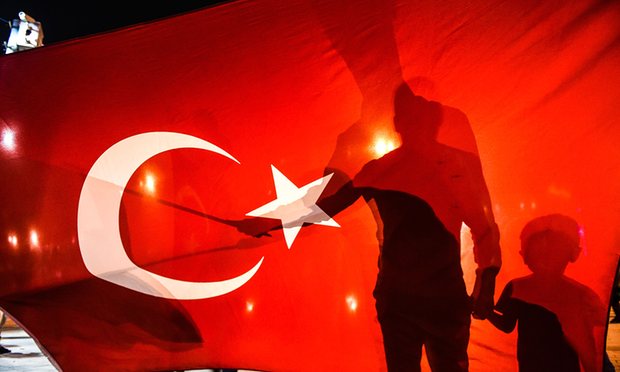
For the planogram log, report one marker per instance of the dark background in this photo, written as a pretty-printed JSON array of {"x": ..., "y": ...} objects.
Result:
[{"x": 63, "y": 20}]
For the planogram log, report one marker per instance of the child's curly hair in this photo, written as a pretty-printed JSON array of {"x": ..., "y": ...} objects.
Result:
[{"x": 553, "y": 224}]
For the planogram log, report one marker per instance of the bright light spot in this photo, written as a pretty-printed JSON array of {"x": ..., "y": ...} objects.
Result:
[
  {"x": 533, "y": 205},
  {"x": 582, "y": 238},
  {"x": 149, "y": 183},
  {"x": 249, "y": 306},
  {"x": 34, "y": 238},
  {"x": 13, "y": 240},
  {"x": 352, "y": 303},
  {"x": 522, "y": 205},
  {"x": 8, "y": 140},
  {"x": 383, "y": 145}
]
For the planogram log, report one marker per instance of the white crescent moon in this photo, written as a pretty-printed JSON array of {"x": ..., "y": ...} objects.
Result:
[{"x": 98, "y": 225}]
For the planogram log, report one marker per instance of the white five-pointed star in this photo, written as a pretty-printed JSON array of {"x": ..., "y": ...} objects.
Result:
[{"x": 295, "y": 206}]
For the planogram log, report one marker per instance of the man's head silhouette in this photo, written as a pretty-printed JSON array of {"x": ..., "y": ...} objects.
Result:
[{"x": 415, "y": 118}]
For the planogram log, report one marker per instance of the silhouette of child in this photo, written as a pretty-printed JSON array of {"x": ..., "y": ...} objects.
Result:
[{"x": 556, "y": 315}]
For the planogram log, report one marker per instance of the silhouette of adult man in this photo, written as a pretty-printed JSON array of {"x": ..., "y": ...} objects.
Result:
[{"x": 420, "y": 194}]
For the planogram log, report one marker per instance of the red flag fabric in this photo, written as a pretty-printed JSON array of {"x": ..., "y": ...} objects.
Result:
[{"x": 136, "y": 178}]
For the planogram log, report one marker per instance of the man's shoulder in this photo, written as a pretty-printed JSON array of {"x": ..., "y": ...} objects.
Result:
[
  {"x": 375, "y": 166},
  {"x": 457, "y": 154}
]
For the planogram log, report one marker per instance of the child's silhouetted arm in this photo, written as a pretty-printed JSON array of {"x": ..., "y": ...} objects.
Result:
[
  {"x": 502, "y": 322},
  {"x": 503, "y": 317}
]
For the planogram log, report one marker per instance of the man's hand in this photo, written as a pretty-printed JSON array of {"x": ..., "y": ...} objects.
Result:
[{"x": 484, "y": 289}]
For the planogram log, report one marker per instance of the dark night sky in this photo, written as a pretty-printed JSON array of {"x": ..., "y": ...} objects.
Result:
[{"x": 63, "y": 20}]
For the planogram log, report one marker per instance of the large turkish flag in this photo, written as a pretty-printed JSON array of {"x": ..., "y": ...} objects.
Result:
[{"x": 129, "y": 161}]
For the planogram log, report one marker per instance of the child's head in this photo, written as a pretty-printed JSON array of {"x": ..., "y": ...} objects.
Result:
[{"x": 549, "y": 243}]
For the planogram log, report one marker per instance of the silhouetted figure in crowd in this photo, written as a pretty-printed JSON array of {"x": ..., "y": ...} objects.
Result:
[{"x": 555, "y": 314}]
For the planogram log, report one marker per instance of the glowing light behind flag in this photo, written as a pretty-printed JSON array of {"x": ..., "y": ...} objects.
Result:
[{"x": 8, "y": 140}]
